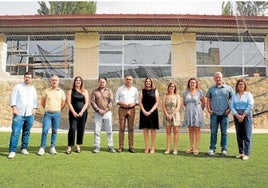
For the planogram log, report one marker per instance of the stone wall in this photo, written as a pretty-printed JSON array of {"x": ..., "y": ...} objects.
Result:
[{"x": 258, "y": 87}]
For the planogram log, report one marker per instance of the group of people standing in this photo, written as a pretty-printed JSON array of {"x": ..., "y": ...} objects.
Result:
[
  {"x": 24, "y": 104},
  {"x": 220, "y": 100}
]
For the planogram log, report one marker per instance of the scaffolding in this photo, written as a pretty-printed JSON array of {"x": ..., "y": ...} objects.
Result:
[{"x": 41, "y": 64}]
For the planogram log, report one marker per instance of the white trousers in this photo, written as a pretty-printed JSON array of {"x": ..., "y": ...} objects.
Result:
[{"x": 105, "y": 120}]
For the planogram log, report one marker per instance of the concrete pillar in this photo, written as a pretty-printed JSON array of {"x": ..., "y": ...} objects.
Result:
[
  {"x": 266, "y": 53},
  {"x": 184, "y": 63},
  {"x": 86, "y": 55},
  {"x": 3, "y": 55}
]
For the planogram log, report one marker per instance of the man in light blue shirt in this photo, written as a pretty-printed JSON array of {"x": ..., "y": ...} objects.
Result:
[
  {"x": 218, "y": 105},
  {"x": 23, "y": 104}
]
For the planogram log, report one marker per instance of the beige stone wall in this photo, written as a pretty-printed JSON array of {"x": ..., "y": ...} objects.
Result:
[
  {"x": 183, "y": 55},
  {"x": 257, "y": 87},
  {"x": 86, "y": 55}
]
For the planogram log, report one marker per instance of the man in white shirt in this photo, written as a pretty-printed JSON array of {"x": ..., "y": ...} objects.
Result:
[
  {"x": 23, "y": 104},
  {"x": 127, "y": 97}
]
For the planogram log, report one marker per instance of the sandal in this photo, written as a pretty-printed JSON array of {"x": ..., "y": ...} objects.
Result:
[
  {"x": 78, "y": 149},
  {"x": 167, "y": 152},
  {"x": 69, "y": 150},
  {"x": 190, "y": 150},
  {"x": 146, "y": 150}
]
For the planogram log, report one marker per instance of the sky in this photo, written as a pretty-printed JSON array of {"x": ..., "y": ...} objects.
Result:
[{"x": 199, "y": 7}]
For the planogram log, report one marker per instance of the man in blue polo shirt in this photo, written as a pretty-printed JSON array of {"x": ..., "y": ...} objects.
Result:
[{"x": 218, "y": 106}]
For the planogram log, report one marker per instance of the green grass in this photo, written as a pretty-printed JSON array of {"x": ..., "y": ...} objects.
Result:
[{"x": 134, "y": 170}]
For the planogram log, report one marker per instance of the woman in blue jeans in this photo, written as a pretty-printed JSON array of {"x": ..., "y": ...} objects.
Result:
[{"x": 241, "y": 106}]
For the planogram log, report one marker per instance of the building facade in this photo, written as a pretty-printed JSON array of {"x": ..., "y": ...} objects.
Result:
[{"x": 140, "y": 44}]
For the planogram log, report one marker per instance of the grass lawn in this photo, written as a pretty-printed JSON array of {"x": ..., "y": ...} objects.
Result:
[{"x": 134, "y": 170}]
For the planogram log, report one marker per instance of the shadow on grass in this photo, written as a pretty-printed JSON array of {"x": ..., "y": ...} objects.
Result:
[
  {"x": 87, "y": 149},
  {"x": 34, "y": 149}
]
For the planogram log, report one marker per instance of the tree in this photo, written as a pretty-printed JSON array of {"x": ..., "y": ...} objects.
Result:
[
  {"x": 67, "y": 7},
  {"x": 43, "y": 8},
  {"x": 245, "y": 8},
  {"x": 226, "y": 8}
]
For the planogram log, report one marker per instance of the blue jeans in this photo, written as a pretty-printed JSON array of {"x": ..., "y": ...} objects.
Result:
[
  {"x": 24, "y": 124},
  {"x": 215, "y": 121},
  {"x": 52, "y": 119}
]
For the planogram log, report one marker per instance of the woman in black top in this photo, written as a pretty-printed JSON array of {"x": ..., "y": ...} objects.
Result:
[
  {"x": 77, "y": 101},
  {"x": 149, "y": 99}
]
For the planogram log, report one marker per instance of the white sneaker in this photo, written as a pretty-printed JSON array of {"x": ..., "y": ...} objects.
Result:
[
  {"x": 211, "y": 152},
  {"x": 96, "y": 150},
  {"x": 245, "y": 157},
  {"x": 41, "y": 151},
  {"x": 11, "y": 155},
  {"x": 240, "y": 156},
  {"x": 224, "y": 153},
  {"x": 53, "y": 151},
  {"x": 24, "y": 152}
]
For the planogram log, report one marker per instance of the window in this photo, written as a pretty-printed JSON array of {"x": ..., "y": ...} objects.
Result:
[
  {"x": 140, "y": 56},
  {"x": 41, "y": 55},
  {"x": 239, "y": 56}
]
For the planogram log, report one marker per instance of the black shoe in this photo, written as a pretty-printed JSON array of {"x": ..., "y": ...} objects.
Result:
[
  {"x": 131, "y": 150},
  {"x": 68, "y": 152}
]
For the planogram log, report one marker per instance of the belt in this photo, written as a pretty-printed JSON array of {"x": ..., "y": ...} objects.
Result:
[
  {"x": 53, "y": 112},
  {"x": 128, "y": 108}
]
